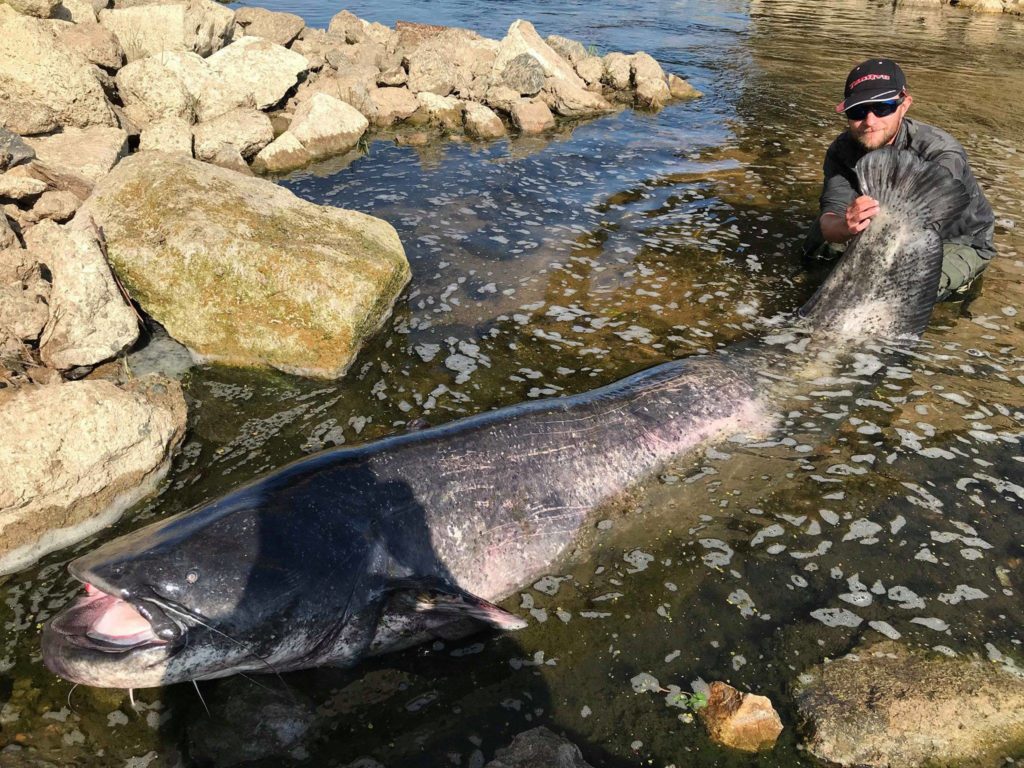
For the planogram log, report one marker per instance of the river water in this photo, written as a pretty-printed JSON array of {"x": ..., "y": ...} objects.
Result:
[{"x": 888, "y": 500}]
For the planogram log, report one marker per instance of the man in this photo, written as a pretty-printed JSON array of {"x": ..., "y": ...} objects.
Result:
[{"x": 875, "y": 102}]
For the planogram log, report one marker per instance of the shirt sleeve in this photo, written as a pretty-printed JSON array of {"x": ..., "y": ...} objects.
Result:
[{"x": 837, "y": 192}]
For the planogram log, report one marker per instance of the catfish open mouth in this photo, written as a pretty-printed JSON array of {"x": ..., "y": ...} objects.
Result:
[{"x": 101, "y": 622}]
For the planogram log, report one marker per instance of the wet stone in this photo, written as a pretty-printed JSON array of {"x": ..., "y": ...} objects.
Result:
[
  {"x": 742, "y": 721},
  {"x": 881, "y": 707},
  {"x": 539, "y": 747}
]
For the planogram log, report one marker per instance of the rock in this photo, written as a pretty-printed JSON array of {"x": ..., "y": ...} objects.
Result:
[
  {"x": 13, "y": 150},
  {"x": 76, "y": 11},
  {"x": 652, "y": 94},
  {"x": 247, "y": 131},
  {"x": 569, "y": 100},
  {"x": 283, "y": 154},
  {"x": 312, "y": 43},
  {"x": 89, "y": 153},
  {"x": 502, "y": 98},
  {"x": 652, "y": 91},
  {"x": 44, "y": 84},
  {"x": 19, "y": 187},
  {"x": 152, "y": 92},
  {"x": 532, "y": 117},
  {"x": 523, "y": 74},
  {"x": 210, "y": 95},
  {"x": 261, "y": 70},
  {"x": 443, "y": 111},
  {"x": 76, "y": 455},
  {"x": 392, "y": 105},
  {"x": 352, "y": 90},
  {"x": 55, "y": 205},
  {"x": 591, "y": 69},
  {"x": 482, "y": 122},
  {"x": 242, "y": 271},
  {"x": 444, "y": 61},
  {"x": 680, "y": 89},
  {"x": 394, "y": 77},
  {"x": 363, "y": 58},
  {"x": 23, "y": 296},
  {"x": 891, "y": 706},
  {"x": 539, "y": 747},
  {"x": 523, "y": 38},
  {"x": 741, "y": 721},
  {"x": 643, "y": 66},
  {"x": 200, "y": 26},
  {"x": 283, "y": 723},
  {"x": 230, "y": 158},
  {"x": 56, "y": 178},
  {"x": 326, "y": 126},
  {"x": 172, "y": 134},
  {"x": 982, "y": 6},
  {"x": 346, "y": 26},
  {"x": 280, "y": 28},
  {"x": 617, "y": 71},
  {"x": 569, "y": 49},
  {"x": 40, "y": 9},
  {"x": 95, "y": 42},
  {"x": 7, "y": 236},
  {"x": 89, "y": 319}
]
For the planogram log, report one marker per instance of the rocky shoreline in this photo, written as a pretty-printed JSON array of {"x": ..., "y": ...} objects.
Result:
[{"x": 131, "y": 133}]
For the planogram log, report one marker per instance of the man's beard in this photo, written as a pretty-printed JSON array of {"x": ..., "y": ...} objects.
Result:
[{"x": 875, "y": 140}]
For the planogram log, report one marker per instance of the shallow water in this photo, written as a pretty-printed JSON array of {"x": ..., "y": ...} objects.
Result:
[{"x": 888, "y": 499}]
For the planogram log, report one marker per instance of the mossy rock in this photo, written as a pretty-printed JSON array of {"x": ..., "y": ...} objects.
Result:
[{"x": 243, "y": 272}]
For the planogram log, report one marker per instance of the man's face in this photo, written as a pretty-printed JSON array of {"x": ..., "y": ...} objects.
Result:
[{"x": 873, "y": 132}]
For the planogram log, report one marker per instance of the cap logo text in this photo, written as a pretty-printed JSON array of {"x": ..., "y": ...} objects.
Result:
[{"x": 860, "y": 80}]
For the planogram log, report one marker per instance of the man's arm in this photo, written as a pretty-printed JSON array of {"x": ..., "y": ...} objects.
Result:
[{"x": 838, "y": 228}]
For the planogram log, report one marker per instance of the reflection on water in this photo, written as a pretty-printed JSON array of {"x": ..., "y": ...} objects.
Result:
[{"x": 888, "y": 501}]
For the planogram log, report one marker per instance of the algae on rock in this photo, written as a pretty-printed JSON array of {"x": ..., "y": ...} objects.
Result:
[{"x": 242, "y": 271}]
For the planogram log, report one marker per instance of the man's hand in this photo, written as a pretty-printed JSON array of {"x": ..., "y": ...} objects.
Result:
[{"x": 839, "y": 229}]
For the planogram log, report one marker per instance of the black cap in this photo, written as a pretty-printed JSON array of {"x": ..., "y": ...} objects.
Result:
[{"x": 874, "y": 80}]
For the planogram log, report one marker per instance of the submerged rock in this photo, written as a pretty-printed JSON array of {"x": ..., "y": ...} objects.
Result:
[
  {"x": 539, "y": 747},
  {"x": 893, "y": 707},
  {"x": 76, "y": 455},
  {"x": 738, "y": 720},
  {"x": 241, "y": 270}
]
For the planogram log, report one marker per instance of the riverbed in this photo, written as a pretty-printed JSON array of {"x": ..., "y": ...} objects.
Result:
[{"x": 887, "y": 501}]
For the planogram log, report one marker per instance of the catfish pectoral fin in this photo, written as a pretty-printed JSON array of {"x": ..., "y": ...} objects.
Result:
[{"x": 437, "y": 596}]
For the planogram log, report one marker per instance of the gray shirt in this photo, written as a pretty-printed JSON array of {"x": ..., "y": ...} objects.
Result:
[{"x": 973, "y": 227}]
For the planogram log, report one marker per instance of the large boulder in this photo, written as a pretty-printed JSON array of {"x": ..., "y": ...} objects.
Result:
[
  {"x": 888, "y": 706},
  {"x": 568, "y": 100},
  {"x": 261, "y": 70},
  {"x": 76, "y": 455},
  {"x": 242, "y": 271},
  {"x": 443, "y": 60},
  {"x": 280, "y": 28},
  {"x": 207, "y": 92},
  {"x": 89, "y": 320},
  {"x": 172, "y": 134},
  {"x": 44, "y": 85},
  {"x": 523, "y": 38},
  {"x": 392, "y": 105},
  {"x": 89, "y": 153},
  {"x": 201, "y": 26}
]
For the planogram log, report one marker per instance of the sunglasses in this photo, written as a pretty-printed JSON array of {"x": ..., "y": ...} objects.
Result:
[{"x": 879, "y": 108}]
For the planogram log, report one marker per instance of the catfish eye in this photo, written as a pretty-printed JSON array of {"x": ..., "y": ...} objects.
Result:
[{"x": 192, "y": 577}]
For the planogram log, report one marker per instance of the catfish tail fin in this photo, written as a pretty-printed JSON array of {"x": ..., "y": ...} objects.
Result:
[{"x": 887, "y": 281}]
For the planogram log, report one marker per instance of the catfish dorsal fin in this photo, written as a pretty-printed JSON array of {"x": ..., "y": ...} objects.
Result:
[{"x": 437, "y": 595}]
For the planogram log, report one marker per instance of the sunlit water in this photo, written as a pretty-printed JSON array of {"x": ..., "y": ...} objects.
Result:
[{"x": 888, "y": 500}]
